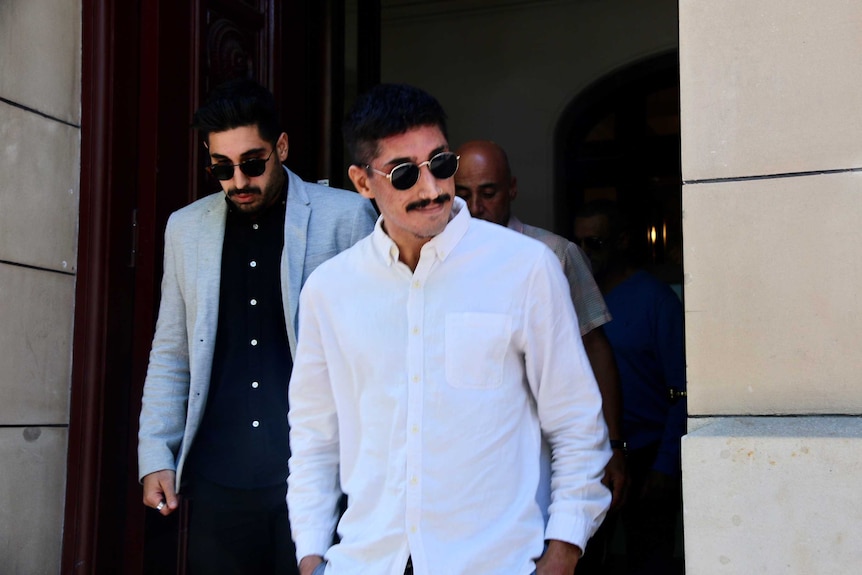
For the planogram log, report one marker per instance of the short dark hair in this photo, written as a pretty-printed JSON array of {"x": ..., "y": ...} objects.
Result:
[
  {"x": 237, "y": 103},
  {"x": 617, "y": 219},
  {"x": 388, "y": 110}
]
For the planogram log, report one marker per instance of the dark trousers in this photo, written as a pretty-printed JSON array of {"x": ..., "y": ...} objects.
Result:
[
  {"x": 649, "y": 524},
  {"x": 649, "y": 527},
  {"x": 239, "y": 531}
]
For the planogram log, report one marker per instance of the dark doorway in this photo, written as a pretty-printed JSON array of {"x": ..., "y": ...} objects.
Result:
[
  {"x": 146, "y": 65},
  {"x": 619, "y": 140}
]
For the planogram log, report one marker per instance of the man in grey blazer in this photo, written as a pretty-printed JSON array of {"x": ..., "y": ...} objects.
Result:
[{"x": 213, "y": 422}]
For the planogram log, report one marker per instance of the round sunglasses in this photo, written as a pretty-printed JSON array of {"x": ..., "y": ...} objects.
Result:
[
  {"x": 251, "y": 168},
  {"x": 404, "y": 176}
]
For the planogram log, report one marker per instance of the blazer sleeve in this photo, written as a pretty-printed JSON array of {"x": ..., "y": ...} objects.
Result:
[
  {"x": 166, "y": 388},
  {"x": 364, "y": 219}
]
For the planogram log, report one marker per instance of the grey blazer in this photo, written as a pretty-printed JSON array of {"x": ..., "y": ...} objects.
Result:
[{"x": 319, "y": 223}]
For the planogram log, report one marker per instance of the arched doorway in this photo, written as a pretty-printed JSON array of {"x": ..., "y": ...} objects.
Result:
[{"x": 619, "y": 139}]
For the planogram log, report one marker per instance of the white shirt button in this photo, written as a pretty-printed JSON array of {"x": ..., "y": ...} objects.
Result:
[
  {"x": 254, "y": 342},
  {"x": 254, "y": 384},
  {"x": 253, "y": 301},
  {"x": 416, "y": 379},
  {"x": 255, "y": 423},
  {"x": 255, "y": 226},
  {"x": 253, "y": 264}
]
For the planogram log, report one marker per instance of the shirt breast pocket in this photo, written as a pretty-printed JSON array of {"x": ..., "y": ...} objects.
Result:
[{"x": 476, "y": 345}]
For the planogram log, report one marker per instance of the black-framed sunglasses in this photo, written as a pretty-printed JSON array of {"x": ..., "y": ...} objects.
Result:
[
  {"x": 592, "y": 243},
  {"x": 404, "y": 176},
  {"x": 251, "y": 168}
]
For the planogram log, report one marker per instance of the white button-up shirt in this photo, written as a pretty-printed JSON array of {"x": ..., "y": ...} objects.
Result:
[{"x": 422, "y": 396}]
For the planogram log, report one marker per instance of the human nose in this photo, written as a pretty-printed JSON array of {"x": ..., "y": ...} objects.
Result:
[
  {"x": 475, "y": 205},
  {"x": 428, "y": 186},
  {"x": 240, "y": 179}
]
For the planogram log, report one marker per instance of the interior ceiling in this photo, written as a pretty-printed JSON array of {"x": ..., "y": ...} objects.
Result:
[{"x": 395, "y": 9}]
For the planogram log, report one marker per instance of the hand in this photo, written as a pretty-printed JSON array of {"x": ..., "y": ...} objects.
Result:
[
  {"x": 309, "y": 563},
  {"x": 560, "y": 558},
  {"x": 616, "y": 479},
  {"x": 159, "y": 488}
]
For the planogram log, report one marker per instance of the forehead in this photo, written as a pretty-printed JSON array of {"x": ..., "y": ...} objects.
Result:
[
  {"x": 478, "y": 168},
  {"x": 415, "y": 145},
  {"x": 236, "y": 141},
  {"x": 597, "y": 225}
]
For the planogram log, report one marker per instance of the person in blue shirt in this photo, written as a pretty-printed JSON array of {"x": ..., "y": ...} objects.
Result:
[{"x": 646, "y": 335}]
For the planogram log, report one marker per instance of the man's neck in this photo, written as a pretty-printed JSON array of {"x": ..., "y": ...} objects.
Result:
[
  {"x": 409, "y": 249},
  {"x": 614, "y": 277}
]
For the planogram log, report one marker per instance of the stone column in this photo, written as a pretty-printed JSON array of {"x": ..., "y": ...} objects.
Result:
[{"x": 771, "y": 122}]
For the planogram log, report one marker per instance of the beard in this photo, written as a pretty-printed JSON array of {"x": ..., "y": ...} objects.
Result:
[{"x": 261, "y": 198}]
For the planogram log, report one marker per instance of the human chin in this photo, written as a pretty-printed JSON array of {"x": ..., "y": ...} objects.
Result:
[
  {"x": 432, "y": 219},
  {"x": 246, "y": 200}
]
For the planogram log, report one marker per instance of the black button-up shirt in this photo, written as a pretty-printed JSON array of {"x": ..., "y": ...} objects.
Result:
[{"x": 243, "y": 438}]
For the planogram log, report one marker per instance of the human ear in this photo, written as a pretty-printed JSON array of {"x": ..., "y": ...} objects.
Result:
[
  {"x": 282, "y": 146},
  {"x": 513, "y": 188},
  {"x": 359, "y": 176}
]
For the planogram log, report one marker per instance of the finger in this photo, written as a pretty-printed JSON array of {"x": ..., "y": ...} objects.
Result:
[
  {"x": 170, "y": 496},
  {"x": 152, "y": 495}
]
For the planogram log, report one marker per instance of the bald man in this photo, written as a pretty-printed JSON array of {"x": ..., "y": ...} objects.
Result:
[{"x": 484, "y": 180}]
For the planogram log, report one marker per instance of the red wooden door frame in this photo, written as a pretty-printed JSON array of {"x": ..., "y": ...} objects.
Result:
[{"x": 138, "y": 159}]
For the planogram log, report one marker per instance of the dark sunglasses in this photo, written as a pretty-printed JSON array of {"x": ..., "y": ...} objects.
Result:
[
  {"x": 591, "y": 243},
  {"x": 251, "y": 168},
  {"x": 404, "y": 176}
]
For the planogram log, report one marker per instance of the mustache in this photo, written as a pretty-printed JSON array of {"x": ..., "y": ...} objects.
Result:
[
  {"x": 236, "y": 191},
  {"x": 441, "y": 199}
]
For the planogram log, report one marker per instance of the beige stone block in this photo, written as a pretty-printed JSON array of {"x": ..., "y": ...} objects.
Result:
[
  {"x": 32, "y": 492},
  {"x": 39, "y": 191},
  {"x": 773, "y": 496},
  {"x": 35, "y": 345},
  {"x": 769, "y": 87},
  {"x": 40, "y": 67},
  {"x": 772, "y": 307}
]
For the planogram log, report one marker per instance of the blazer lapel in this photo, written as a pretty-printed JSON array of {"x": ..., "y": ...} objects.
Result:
[
  {"x": 209, "y": 250},
  {"x": 296, "y": 218}
]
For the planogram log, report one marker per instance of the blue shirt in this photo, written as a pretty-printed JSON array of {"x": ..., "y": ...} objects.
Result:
[{"x": 646, "y": 334}]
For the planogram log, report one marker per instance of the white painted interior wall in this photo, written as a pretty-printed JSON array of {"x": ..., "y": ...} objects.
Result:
[{"x": 506, "y": 71}]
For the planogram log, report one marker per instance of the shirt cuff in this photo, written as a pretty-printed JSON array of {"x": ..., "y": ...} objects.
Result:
[{"x": 574, "y": 530}]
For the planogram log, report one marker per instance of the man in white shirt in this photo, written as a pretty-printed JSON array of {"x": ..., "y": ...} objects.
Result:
[{"x": 425, "y": 374}]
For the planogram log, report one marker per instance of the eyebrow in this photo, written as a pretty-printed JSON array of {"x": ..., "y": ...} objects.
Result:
[
  {"x": 397, "y": 161},
  {"x": 247, "y": 153}
]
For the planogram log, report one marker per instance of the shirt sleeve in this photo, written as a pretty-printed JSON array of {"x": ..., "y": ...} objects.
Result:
[
  {"x": 313, "y": 487},
  {"x": 587, "y": 298},
  {"x": 568, "y": 405}
]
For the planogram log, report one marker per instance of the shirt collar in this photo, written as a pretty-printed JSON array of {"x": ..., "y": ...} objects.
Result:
[
  {"x": 515, "y": 224},
  {"x": 441, "y": 245}
]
